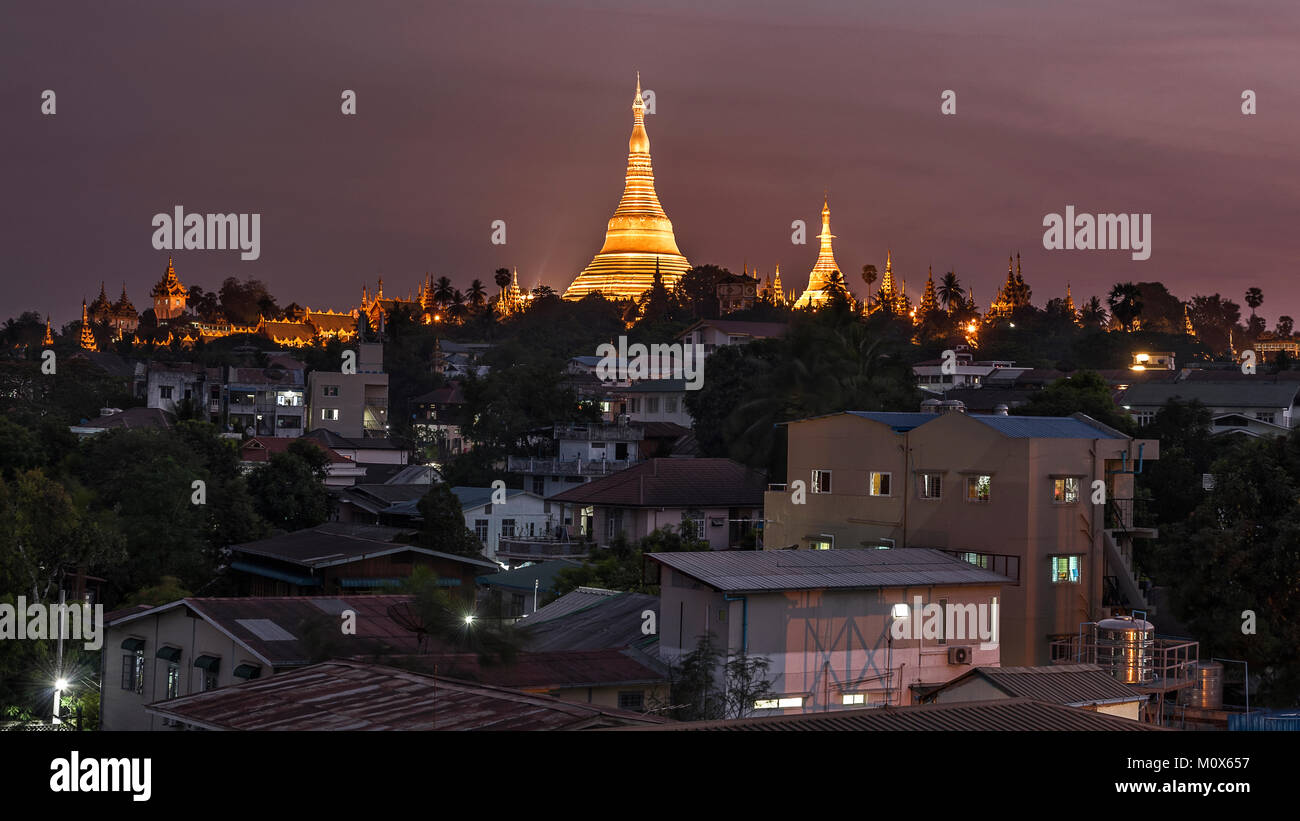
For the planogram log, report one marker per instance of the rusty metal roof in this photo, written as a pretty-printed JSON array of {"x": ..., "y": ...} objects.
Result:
[
  {"x": 1013, "y": 714},
  {"x": 1074, "y": 684},
  {"x": 249, "y": 621},
  {"x": 545, "y": 671},
  {"x": 668, "y": 482},
  {"x": 346, "y": 695},
  {"x": 334, "y": 543},
  {"x": 740, "y": 571}
]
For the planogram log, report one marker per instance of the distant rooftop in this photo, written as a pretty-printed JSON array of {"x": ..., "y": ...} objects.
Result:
[
  {"x": 669, "y": 482},
  {"x": 335, "y": 543},
  {"x": 1015, "y": 427}
]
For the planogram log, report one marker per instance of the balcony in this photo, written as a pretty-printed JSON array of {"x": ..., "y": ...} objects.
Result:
[
  {"x": 1132, "y": 517},
  {"x": 567, "y": 467},
  {"x": 599, "y": 433},
  {"x": 541, "y": 548}
]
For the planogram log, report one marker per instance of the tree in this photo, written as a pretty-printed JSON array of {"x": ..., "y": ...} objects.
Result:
[
  {"x": 1285, "y": 326},
  {"x": 1254, "y": 298},
  {"x": 1082, "y": 392},
  {"x": 443, "y": 291},
  {"x": 289, "y": 489},
  {"x": 869, "y": 276},
  {"x": 477, "y": 293},
  {"x": 451, "y": 624},
  {"x": 1093, "y": 315},
  {"x": 244, "y": 303},
  {"x": 1125, "y": 302},
  {"x": 747, "y": 683},
  {"x": 443, "y": 527},
  {"x": 502, "y": 278},
  {"x": 695, "y": 694},
  {"x": 950, "y": 292},
  {"x": 697, "y": 290}
]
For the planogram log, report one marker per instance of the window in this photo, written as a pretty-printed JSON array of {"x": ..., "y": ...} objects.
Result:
[
  {"x": 821, "y": 481},
  {"x": 613, "y": 523},
  {"x": 977, "y": 559},
  {"x": 978, "y": 488},
  {"x": 634, "y": 404},
  {"x": 778, "y": 703},
  {"x": 165, "y": 392},
  {"x": 652, "y": 404},
  {"x": 539, "y": 485},
  {"x": 1144, "y": 418},
  {"x": 207, "y": 667},
  {"x": 173, "y": 679},
  {"x": 1065, "y": 569},
  {"x": 693, "y": 525},
  {"x": 481, "y": 530},
  {"x": 209, "y": 681},
  {"x": 631, "y": 700},
  {"x": 1065, "y": 491},
  {"x": 855, "y": 698},
  {"x": 507, "y": 528},
  {"x": 670, "y": 404},
  {"x": 930, "y": 485},
  {"x": 879, "y": 483},
  {"x": 133, "y": 670},
  {"x": 823, "y": 541},
  {"x": 329, "y": 414},
  {"x": 329, "y": 390},
  {"x": 1265, "y": 417}
]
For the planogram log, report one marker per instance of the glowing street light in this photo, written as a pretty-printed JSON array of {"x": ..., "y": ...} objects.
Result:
[{"x": 469, "y": 619}]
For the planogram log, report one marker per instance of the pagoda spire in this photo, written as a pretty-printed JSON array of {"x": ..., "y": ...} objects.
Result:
[
  {"x": 820, "y": 276},
  {"x": 1187, "y": 322},
  {"x": 87, "y": 335},
  {"x": 929, "y": 302},
  {"x": 48, "y": 339},
  {"x": 638, "y": 231}
]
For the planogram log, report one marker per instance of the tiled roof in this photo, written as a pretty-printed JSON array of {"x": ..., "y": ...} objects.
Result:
[
  {"x": 243, "y": 619},
  {"x": 1075, "y": 684},
  {"x": 344, "y": 695},
  {"x": 738, "y": 571},
  {"x": 260, "y": 449},
  {"x": 1014, "y": 714},
  {"x": 666, "y": 482},
  {"x": 336, "y": 543},
  {"x": 613, "y": 621}
]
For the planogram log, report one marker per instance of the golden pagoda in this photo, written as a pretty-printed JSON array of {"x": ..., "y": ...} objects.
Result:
[
  {"x": 820, "y": 276},
  {"x": 890, "y": 297},
  {"x": 1069, "y": 306},
  {"x": 87, "y": 335},
  {"x": 639, "y": 235},
  {"x": 48, "y": 339},
  {"x": 929, "y": 302},
  {"x": 1187, "y": 322},
  {"x": 169, "y": 295}
]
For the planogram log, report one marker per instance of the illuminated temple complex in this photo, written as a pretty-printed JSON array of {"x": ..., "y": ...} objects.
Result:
[
  {"x": 819, "y": 279},
  {"x": 639, "y": 238}
]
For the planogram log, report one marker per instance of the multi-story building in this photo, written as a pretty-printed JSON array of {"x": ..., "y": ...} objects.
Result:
[
  {"x": 353, "y": 405},
  {"x": 718, "y": 333},
  {"x": 581, "y": 453},
  {"x": 1019, "y": 495},
  {"x": 266, "y": 401}
]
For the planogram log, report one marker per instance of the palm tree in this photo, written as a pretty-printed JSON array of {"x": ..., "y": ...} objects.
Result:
[
  {"x": 951, "y": 294},
  {"x": 477, "y": 293},
  {"x": 1254, "y": 298},
  {"x": 502, "y": 278},
  {"x": 869, "y": 275},
  {"x": 442, "y": 291},
  {"x": 1093, "y": 314},
  {"x": 1125, "y": 302},
  {"x": 456, "y": 309}
]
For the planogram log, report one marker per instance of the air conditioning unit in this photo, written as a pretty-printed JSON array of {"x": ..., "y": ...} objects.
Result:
[{"x": 960, "y": 655}]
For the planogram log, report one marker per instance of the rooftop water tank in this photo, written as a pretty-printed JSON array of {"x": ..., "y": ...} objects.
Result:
[{"x": 1126, "y": 649}]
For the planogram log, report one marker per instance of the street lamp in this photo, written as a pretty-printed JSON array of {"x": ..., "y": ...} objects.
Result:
[{"x": 60, "y": 684}]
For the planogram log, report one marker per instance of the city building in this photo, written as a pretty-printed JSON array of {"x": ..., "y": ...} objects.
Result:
[
  {"x": 1017, "y": 495},
  {"x": 1272, "y": 402},
  {"x": 716, "y": 333},
  {"x": 639, "y": 240},
  {"x": 196, "y": 645},
  {"x": 714, "y": 500},
  {"x": 580, "y": 453},
  {"x": 839, "y": 628},
  {"x": 353, "y": 404}
]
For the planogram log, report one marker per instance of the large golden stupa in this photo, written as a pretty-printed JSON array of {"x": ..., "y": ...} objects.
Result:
[
  {"x": 819, "y": 279},
  {"x": 639, "y": 239}
]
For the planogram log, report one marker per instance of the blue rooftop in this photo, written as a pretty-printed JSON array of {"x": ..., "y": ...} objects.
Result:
[{"x": 1016, "y": 427}]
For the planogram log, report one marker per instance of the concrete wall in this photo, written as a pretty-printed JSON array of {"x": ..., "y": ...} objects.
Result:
[
  {"x": 1020, "y": 518},
  {"x": 124, "y": 709},
  {"x": 822, "y": 644},
  {"x": 353, "y": 392}
]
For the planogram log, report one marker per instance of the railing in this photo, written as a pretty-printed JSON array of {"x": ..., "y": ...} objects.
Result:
[
  {"x": 1130, "y": 514},
  {"x": 1165, "y": 663},
  {"x": 1004, "y": 564},
  {"x": 568, "y": 467},
  {"x": 541, "y": 547}
]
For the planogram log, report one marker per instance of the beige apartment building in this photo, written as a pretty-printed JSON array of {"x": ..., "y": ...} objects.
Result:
[
  {"x": 353, "y": 405},
  {"x": 1011, "y": 494}
]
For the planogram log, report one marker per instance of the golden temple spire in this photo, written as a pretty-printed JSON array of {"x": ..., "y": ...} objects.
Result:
[
  {"x": 48, "y": 339},
  {"x": 820, "y": 276},
  {"x": 87, "y": 335},
  {"x": 638, "y": 235},
  {"x": 1187, "y": 322}
]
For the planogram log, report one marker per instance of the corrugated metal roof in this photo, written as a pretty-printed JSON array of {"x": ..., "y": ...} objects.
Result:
[
  {"x": 1013, "y": 714},
  {"x": 336, "y": 543},
  {"x": 547, "y": 670},
  {"x": 739, "y": 571},
  {"x": 1238, "y": 394},
  {"x": 1075, "y": 684},
  {"x": 899, "y": 422},
  {"x": 1018, "y": 427},
  {"x": 614, "y": 621},
  {"x": 471, "y": 497},
  {"x": 578, "y": 599},
  {"x": 669, "y": 482},
  {"x": 522, "y": 578},
  {"x": 343, "y": 695}
]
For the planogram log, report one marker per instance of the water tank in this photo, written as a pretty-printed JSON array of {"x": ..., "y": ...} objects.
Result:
[
  {"x": 1001, "y": 410},
  {"x": 1206, "y": 692},
  {"x": 930, "y": 406},
  {"x": 1126, "y": 649}
]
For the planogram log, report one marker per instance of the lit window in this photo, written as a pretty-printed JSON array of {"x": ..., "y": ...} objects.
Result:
[
  {"x": 329, "y": 414},
  {"x": 978, "y": 488},
  {"x": 855, "y": 698},
  {"x": 778, "y": 703},
  {"x": 330, "y": 390},
  {"x": 821, "y": 481},
  {"x": 879, "y": 484},
  {"x": 1065, "y": 570},
  {"x": 931, "y": 485},
  {"x": 1065, "y": 491},
  {"x": 173, "y": 680}
]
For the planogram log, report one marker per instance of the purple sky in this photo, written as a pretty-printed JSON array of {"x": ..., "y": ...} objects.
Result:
[{"x": 476, "y": 111}]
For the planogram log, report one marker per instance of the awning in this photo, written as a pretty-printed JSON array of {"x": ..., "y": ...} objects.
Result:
[
  {"x": 301, "y": 581},
  {"x": 209, "y": 663},
  {"x": 248, "y": 671},
  {"x": 133, "y": 645},
  {"x": 169, "y": 653}
]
